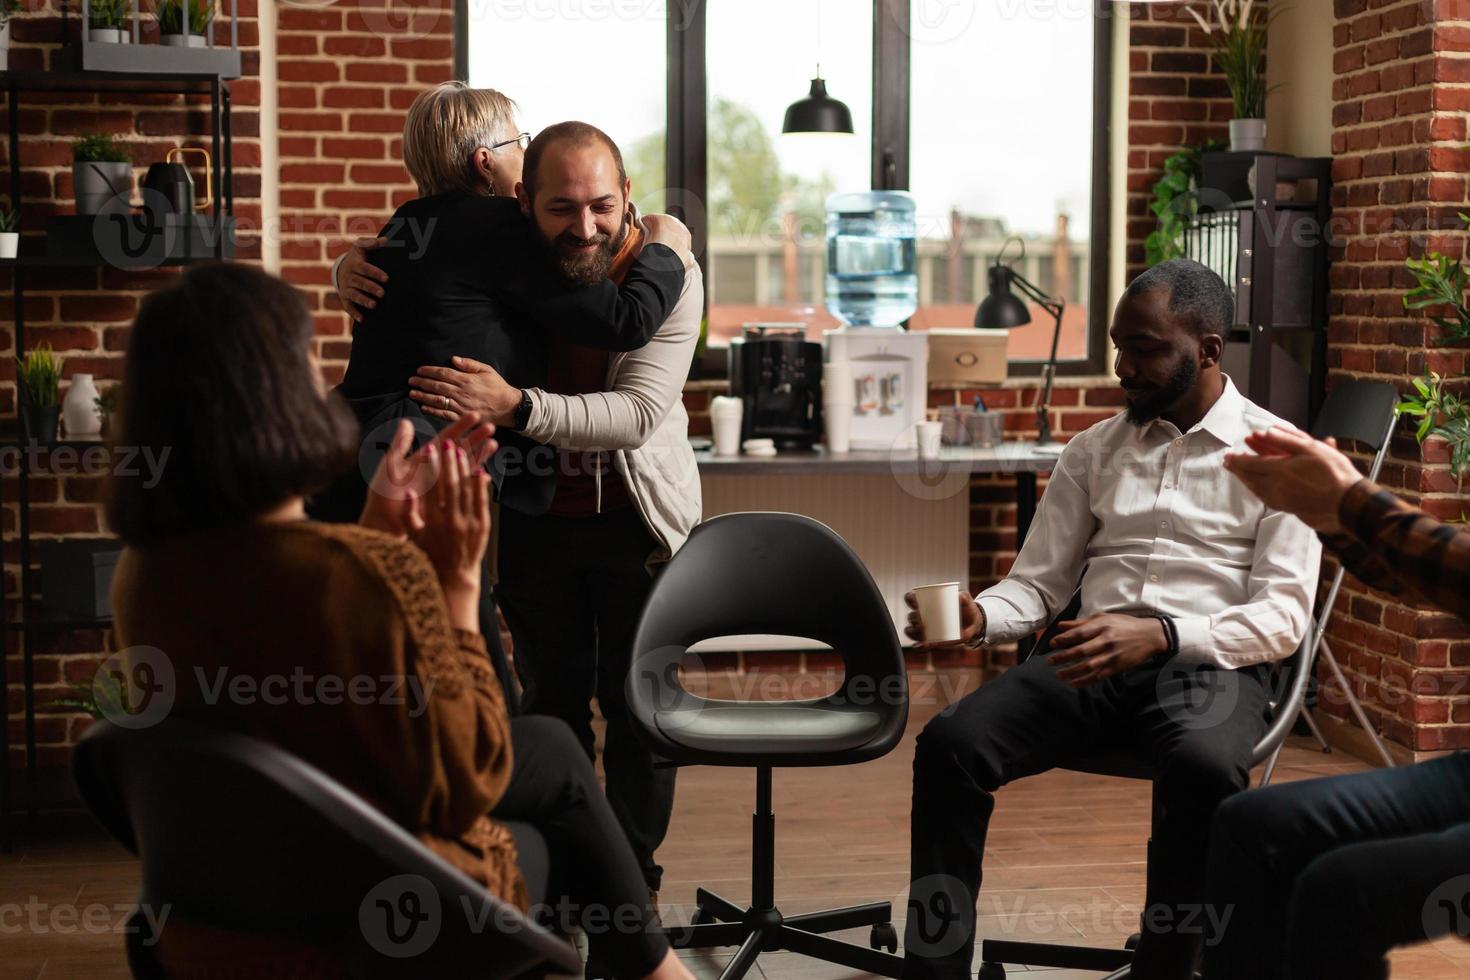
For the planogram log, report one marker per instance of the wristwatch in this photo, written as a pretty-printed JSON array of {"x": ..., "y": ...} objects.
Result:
[{"x": 522, "y": 416}]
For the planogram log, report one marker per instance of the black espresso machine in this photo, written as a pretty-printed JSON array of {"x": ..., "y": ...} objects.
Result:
[{"x": 777, "y": 372}]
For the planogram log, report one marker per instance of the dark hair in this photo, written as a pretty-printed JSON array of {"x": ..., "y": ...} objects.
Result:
[
  {"x": 576, "y": 133},
  {"x": 1197, "y": 295},
  {"x": 217, "y": 376}
]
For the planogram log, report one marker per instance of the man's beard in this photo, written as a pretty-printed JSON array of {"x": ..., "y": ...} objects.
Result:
[
  {"x": 586, "y": 268},
  {"x": 1144, "y": 410}
]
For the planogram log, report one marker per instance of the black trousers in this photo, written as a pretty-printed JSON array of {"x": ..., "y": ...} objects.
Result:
[
  {"x": 587, "y": 873},
  {"x": 1197, "y": 726},
  {"x": 1321, "y": 878},
  {"x": 572, "y": 590}
]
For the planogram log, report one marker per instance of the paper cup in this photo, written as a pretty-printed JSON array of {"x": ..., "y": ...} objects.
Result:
[
  {"x": 725, "y": 414},
  {"x": 837, "y": 386},
  {"x": 930, "y": 436},
  {"x": 837, "y": 420},
  {"x": 939, "y": 611}
]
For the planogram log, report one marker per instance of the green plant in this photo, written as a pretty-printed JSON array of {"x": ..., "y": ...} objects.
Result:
[
  {"x": 39, "y": 373},
  {"x": 8, "y": 9},
  {"x": 107, "y": 400},
  {"x": 9, "y": 221},
  {"x": 1239, "y": 40},
  {"x": 105, "y": 695},
  {"x": 98, "y": 148},
  {"x": 1441, "y": 413},
  {"x": 171, "y": 15},
  {"x": 1441, "y": 282},
  {"x": 108, "y": 14},
  {"x": 1175, "y": 203}
]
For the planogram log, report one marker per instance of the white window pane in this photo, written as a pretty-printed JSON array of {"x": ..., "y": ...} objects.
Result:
[
  {"x": 599, "y": 63},
  {"x": 767, "y": 257},
  {"x": 1001, "y": 143}
]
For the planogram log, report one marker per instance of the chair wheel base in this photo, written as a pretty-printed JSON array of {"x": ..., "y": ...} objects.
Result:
[
  {"x": 884, "y": 936},
  {"x": 991, "y": 971}
]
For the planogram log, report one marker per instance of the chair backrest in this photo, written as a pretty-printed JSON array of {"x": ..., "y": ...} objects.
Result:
[
  {"x": 238, "y": 834},
  {"x": 1359, "y": 410},
  {"x": 770, "y": 573}
]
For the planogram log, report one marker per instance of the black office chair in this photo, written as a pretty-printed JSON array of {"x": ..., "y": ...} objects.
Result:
[
  {"x": 788, "y": 575},
  {"x": 237, "y": 834},
  {"x": 1364, "y": 412},
  {"x": 1288, "y": 693}
]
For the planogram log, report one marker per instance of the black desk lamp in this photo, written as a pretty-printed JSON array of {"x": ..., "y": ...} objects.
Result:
[{"x": 1003, "y": 310}]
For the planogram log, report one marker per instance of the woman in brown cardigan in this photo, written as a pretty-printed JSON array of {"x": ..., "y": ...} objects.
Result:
[{"x": 362, "y": 643}]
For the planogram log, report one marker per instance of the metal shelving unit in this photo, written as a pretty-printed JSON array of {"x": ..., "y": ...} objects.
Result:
[{"x": 29, "y": 618}]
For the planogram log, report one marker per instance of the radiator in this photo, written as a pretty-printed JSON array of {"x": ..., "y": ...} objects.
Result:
[{"x": 903, "y": 540}]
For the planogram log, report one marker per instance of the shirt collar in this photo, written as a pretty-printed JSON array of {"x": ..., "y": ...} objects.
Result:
[{"x": 1226, "y": 418}]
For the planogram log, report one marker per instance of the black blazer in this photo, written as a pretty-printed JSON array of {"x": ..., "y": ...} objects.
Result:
[{"x": 467, "y": 275}]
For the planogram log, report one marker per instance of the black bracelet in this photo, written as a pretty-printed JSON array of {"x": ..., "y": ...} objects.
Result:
[{"x": 1171, "y": 634}]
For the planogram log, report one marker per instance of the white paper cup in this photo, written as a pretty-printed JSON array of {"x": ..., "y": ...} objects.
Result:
[
  {"x": 939, "y": 611},
  {"x": 837, "y": 420},
  {"x": 837, "y": 384},
  {"x": 930, "y": 436},
  {"x": 725, "y": 413}
]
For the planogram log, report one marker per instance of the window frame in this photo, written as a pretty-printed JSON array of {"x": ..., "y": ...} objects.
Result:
[{"x": 686, "y": 141}]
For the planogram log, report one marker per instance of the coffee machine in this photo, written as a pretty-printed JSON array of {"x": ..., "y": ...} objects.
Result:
[{"x": 777, "y": 373}]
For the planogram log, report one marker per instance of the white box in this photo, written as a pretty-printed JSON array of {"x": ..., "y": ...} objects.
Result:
[{"x": 890, "y": 382}]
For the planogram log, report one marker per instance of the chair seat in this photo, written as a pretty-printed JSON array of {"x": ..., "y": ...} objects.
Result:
[{"x": 771, "y": 727}]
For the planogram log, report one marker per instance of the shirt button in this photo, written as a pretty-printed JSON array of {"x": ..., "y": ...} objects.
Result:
[
  {"x": 1163, "y": 523},
  {"x": 1153, "y": 578},
  {"x": 1178, "y": 442},
  {"x": 1168, "y": 486}
]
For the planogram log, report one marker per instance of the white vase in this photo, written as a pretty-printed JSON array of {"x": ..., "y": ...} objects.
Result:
[
  {"x": 5, "y": 45},
  {"x": 9, "y": 244},
  {"x": 79, "y": 409},
  {"x": 1247, "y": 135},
  {"x": 107, "y": 35}
]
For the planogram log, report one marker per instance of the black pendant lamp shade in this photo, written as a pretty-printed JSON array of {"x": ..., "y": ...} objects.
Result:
[{"x": 817, "y": 113}]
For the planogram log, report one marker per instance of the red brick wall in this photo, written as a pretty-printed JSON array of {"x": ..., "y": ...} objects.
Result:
[
  {"x": 1401, "y": 93},
  {"x": 84, "y": 313}
]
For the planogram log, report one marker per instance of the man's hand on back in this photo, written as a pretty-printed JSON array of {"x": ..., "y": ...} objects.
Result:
[
  {"x": 1094, "y": 649},
  {"x": 665, "y": 229}
]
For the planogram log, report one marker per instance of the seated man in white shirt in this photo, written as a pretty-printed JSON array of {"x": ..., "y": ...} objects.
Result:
[{"x": 1190, "y": 589}]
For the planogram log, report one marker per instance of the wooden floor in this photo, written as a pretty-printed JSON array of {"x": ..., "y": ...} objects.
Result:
[{"x": 1065, "y": 863}]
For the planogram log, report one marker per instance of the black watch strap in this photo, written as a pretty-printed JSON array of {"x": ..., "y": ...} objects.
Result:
[{"x": 523, "y": 412}]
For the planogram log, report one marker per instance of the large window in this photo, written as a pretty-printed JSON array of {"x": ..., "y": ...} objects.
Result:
[{"x": 992, "y": 115}]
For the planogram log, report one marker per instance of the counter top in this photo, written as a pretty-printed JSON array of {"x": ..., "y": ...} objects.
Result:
[{"x": 1008, "y": 457}]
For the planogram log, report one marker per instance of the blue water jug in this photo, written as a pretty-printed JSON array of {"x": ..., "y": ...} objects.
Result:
[{"x": 872, "y": 280}]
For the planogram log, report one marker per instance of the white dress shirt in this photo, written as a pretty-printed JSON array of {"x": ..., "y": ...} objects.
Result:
[{"x": 1149, "y": 520}]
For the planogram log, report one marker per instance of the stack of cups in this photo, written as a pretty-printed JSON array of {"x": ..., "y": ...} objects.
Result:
[
  {"x": 838, "y": 401},
  {"x": 725, "y": 413}
]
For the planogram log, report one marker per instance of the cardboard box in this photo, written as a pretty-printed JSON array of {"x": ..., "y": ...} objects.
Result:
[{"x": 967, "y": 356}]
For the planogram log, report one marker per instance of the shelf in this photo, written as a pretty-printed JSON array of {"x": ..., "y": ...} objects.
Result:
[
  {"x": 13, "y": 443},
  {"x": 39, "y": 617},
  {"x": 107, "y": 81}
]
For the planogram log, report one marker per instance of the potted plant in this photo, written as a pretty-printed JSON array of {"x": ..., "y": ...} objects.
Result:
[
  {"x": 1239, "y": 40},
  {"x": 39, "y": 373},
  {"x": 9, "y": 233},
  {"x": 101, "y": 173},
  {"x": 107, "y": 21},
  {"x": 1440, "y": 285},
  {"x": 8, "y": 10},
  {"x": 107, "y": 401},
  {"x": 183, "y": 23}
]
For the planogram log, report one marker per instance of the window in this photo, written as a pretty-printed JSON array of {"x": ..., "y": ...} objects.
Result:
[
  {"x": 994, "y": 116},
  {"x": 767, "y": 245},
  {"x": 600, "y": 63},
  {"x": 1001, "y": 110}
]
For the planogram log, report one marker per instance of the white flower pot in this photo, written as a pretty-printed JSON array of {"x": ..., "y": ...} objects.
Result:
[
  {"x": 9, "y": 244},
  {"x": 1247, "y": 135},
  {"x": 183, "y": 40},
  {"x": 108, "y": 35},
  {"x": 79, "y": 409}
]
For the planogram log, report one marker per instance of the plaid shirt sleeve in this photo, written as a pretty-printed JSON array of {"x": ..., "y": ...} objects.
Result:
[{"x": 1401, "y": 550}]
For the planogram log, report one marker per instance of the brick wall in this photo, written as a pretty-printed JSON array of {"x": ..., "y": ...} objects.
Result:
[
  {"x": 1401, "y": 92},
  {"x": 84, "y": 313}
]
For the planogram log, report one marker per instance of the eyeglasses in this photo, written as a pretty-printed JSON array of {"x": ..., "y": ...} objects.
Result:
[{"x": 523, "y": 140}]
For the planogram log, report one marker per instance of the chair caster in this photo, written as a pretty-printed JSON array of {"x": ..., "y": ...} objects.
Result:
[
  {"x": 884, "y": 936},
  {"x": 1132, "y": 941},
  {"x": 991, "y": 971}
]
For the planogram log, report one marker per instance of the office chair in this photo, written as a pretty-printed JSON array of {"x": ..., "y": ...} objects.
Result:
[
  {"x": 237, "y": 834},
  {"x": 1364, "y": 412},
  {"x": 789, "y": 575}
]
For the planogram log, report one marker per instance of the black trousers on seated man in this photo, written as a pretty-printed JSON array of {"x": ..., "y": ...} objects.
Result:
[
  {"x": 572, "y": 590},
  {"x": 1196, "y": 725}
]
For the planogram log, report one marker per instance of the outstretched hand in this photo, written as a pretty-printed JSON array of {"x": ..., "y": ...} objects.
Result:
[{"x": 1295, "y": 473}]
